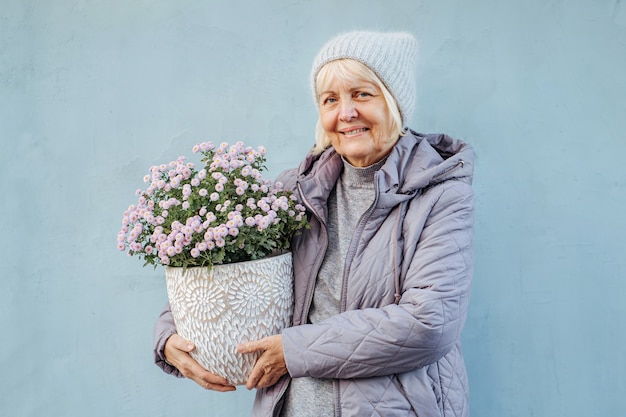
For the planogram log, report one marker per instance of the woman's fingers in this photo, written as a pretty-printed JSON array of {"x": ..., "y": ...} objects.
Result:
[
  {"x": 177, "y": 353},
  {"x": 211, "y": 381},
  {"x": 271, "y": 364},
  {"x": 180, "y": 343}
]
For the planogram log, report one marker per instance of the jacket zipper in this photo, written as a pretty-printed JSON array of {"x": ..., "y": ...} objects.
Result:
[
  {"x": 318, "y": 261},
  {"x": 460, "y": 163},
  {"x": 396, "y": 273}
]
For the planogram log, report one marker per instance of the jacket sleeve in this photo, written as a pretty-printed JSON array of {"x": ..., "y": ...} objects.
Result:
[
  {"x": 426, "y": 323},
  {"x": 163, "y": 329}
]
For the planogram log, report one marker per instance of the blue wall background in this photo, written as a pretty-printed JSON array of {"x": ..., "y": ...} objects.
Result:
[{"x": 92, "y": 93}]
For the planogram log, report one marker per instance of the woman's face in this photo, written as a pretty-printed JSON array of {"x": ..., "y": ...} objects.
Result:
[{"x": 355, "y": 116}]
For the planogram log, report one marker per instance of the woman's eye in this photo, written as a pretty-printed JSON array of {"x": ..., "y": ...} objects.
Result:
[
  {"x": 330, "y": 100},
  {"x": 364, "y": 94}
]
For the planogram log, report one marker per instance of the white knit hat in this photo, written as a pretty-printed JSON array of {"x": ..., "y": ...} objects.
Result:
[{"x": 392, "y": 56}]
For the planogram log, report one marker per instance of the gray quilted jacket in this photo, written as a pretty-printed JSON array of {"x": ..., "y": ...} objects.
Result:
[{"x": 395, "y": 349}]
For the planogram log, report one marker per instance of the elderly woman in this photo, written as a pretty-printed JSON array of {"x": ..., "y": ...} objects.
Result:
[{"x": 382, "y": 278}]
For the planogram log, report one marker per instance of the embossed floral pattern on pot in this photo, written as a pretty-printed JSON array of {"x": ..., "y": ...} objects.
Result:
[
  {"x": 249, "y": 296},
  {"x": 205, "y": 301},
  {"x": 219, "y": 308}
]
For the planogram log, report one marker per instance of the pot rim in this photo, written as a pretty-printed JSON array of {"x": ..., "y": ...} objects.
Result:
[{"x": 265, "y": 259}]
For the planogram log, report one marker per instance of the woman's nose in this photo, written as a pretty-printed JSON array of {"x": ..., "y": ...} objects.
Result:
[{"x": 347, "y": 112}]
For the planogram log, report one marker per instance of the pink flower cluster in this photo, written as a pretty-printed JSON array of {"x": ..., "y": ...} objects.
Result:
[{"x": 189, "y": 217}]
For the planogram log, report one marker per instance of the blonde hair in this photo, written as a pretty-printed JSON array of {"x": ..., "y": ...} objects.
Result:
[{"x": 344, "y": 70}]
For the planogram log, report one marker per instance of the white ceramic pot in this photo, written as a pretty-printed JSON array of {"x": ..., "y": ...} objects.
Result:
[{"x": 219, "y": 308}]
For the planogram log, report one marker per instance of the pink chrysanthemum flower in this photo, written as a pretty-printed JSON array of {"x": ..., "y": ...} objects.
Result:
[{"x": 238, "y": 216}]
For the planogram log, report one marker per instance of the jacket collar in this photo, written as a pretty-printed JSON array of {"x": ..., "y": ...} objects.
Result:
[{"x": 416, "y": 162}]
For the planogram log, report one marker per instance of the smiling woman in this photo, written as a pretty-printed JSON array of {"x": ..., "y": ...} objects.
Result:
[
  {"x": 382, "y": 277},
  {"x": 358, "y": 115}
]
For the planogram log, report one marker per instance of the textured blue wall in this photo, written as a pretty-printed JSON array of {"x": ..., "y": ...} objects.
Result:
[{"x": 92, "y": 93}]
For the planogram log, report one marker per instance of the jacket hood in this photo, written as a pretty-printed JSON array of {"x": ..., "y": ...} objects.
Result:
[{"x": 422, "y": 160}]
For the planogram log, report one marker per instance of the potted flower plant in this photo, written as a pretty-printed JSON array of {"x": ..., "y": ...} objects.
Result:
[{"x": 223, "y": 234}]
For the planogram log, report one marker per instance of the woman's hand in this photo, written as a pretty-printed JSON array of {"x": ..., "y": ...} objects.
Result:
[
  {"x": 270, "y": 366},
  {"x": 177, "y": 353}
]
